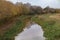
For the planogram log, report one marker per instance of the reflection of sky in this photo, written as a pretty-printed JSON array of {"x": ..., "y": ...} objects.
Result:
[
  {"x": 42, "y": 3},
  {"x": 34, "y": 31}
]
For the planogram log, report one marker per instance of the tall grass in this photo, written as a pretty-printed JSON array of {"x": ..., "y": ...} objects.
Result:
[{"x": 50, "y": 26}]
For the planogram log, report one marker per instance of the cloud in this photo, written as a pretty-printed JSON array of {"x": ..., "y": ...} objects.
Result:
[
  {"x": 42, "y": 3},
  {"x": 55, "y": 4}
]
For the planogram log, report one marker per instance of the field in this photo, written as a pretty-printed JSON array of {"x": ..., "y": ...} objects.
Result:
[
  {"x": 50, "y": 24},
  {"x": 14, "y": 17}
]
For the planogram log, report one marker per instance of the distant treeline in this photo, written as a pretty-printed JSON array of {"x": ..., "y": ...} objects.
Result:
[{"x": 8, "y": 9}]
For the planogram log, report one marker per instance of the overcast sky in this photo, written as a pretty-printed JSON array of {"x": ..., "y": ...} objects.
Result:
[{"x": 42, "y": 3}]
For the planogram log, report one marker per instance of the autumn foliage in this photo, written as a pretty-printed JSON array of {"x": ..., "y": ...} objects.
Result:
[{"x": 9, "y": 10}]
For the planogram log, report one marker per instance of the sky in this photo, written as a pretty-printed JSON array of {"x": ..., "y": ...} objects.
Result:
[{"x": 42, "y": 3}]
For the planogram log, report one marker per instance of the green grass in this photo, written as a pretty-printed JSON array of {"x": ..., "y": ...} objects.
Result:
[
  {"x": 50, "y": 26},
  {"x": 16, "y": 28}
]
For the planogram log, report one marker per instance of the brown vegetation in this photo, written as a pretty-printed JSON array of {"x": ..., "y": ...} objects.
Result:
[
  {"x": 9, "y": 12},
  {"x": 57, "y": 16}
]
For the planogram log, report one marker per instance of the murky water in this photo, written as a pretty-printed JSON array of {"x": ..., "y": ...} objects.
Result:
[{"x": 35, "y": 32}]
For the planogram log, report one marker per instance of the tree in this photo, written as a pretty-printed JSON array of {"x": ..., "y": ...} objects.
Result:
[
  {"x": 23, "y": 9},
  {"x": 7, "y": 9},
  {"x": 49, "y": 10},
  {"x": 57, "y": 10},
  {"x": 36, "y": 10}
]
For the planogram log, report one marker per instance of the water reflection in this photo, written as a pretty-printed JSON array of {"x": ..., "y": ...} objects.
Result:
[{"x": 35, "y": 32}]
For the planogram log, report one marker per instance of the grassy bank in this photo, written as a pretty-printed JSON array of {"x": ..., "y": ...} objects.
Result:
[
  {"x": 17, "y": 27},
  {"x": 50, "y": 24}
]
